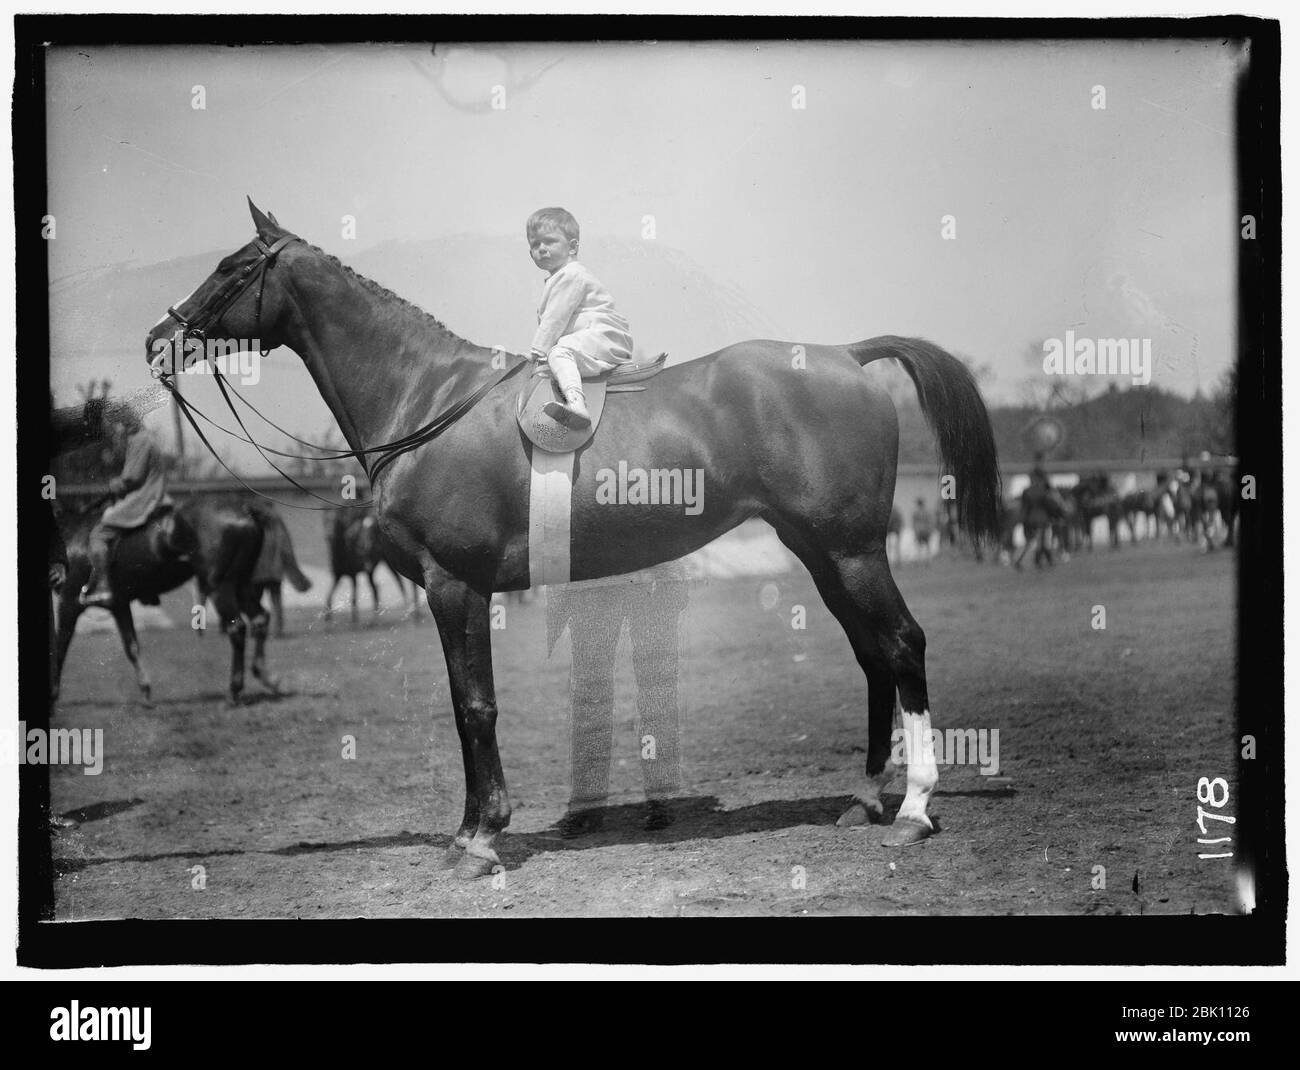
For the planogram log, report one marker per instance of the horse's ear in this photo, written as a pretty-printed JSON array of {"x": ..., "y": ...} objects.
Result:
[
  {"x": 260, "y": 221},
  {"x": 274, "y": 221}
]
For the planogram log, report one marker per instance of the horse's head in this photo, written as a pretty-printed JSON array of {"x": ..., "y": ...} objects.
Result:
[{"x": 239, "y": 306}]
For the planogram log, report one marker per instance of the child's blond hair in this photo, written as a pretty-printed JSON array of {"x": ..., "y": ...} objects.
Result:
[{"x": 557, "y": 218}]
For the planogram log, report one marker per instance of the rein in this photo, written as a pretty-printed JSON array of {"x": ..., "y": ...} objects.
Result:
[{"x": 209, "y": 314}]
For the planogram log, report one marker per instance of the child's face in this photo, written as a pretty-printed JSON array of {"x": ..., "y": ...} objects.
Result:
[{"x": 550, "y": 249}]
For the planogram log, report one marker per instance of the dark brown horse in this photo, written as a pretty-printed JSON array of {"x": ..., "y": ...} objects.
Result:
[
  {"x": 276, "y": 563},
  {"x": 212, "y": 540},
  {"x": 795, "y": 434},
  {"x": 1095, "y": 496},
  {"x": 355, "y": 551}
]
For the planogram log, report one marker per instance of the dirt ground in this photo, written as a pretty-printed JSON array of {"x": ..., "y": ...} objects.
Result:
[{"x": 1103, "y": 735}]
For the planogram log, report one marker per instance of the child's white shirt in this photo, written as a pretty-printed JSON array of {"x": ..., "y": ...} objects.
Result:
[{"x": 577, "y": 313}]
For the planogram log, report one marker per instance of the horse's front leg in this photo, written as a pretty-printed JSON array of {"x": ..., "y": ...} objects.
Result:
[
  {"x": 462, "y": 614},
  {"x": 259, "y": 621},
  {"x": 69, "y": 612}
]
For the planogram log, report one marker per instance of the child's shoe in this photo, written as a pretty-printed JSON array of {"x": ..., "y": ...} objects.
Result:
[{"x": 573, "y": 414}]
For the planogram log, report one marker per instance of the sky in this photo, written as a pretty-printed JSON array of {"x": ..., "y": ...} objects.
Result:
[{"x": 829, "y": 218}]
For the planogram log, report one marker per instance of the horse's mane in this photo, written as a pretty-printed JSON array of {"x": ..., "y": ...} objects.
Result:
[{"x": 382, "y": 292}]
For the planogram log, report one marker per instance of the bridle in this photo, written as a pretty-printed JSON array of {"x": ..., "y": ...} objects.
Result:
[
  {"x": 195, "y": 327},
  {"x": 210, "y": 312}
]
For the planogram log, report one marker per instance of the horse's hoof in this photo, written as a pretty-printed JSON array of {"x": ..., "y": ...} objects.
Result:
[
  {"x": 452, "y": 856},
  {"x": 858, "y": 814},
  {"x": 906, "y": 831},
  {"x": 471, "y": 867},
  {"x": 146, "y": 697}
]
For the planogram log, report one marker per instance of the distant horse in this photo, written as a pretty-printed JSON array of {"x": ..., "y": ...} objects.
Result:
[
  {"x": 1211, "y": 502},
  {"x": 1095, "y": 497},
  {"x": 795, "y": 434},
  {"x": 355, "y": 550},
  {"x": 215, "y": 540},
  {"x": 276, "y": 563},
  {"x": 1140, "y": 503}
]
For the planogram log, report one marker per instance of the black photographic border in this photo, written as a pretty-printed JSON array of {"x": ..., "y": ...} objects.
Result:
[{"x": 1194, "y": 940}]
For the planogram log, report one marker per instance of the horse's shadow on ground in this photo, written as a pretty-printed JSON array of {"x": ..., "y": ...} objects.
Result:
[
  {"x": 702, "y": 817},
  {"x": 696, "y": 817},
  {"x": 98, "y": 811},
  {"x": 219, "y": 698},
  {"x": 215, "y": 698},
  {"x": 440, "y": 841}
]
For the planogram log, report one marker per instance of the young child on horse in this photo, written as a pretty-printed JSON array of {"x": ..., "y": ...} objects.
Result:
[{"x": 579, "y": 332}]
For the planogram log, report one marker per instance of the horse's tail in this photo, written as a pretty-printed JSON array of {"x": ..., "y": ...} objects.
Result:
[
  {"x": 276, "y": 539},
  {"x": 290, "y": 561},
  {"x": 955, "y": 410}
]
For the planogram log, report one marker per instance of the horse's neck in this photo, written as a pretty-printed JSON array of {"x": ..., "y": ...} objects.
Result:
[{"x": 383, "y": 368}]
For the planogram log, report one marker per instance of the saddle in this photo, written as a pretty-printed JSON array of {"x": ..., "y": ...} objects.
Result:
[{"x": 540, "y": 389}]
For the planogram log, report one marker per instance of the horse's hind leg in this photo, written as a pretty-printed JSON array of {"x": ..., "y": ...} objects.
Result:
[
  {"x": 276, "y": 593},
  {"x": 329, "y": 597},
  {"x": 463, "y": 624},
  {"x": 130, "y": 644},
  {"x": 882, "y": 683},
  {"x": 881, "y": 705},
  {"x": 882, "y": 614},
  {"x": 890, "y": 646},
  {"x": 227, "y": 605}
]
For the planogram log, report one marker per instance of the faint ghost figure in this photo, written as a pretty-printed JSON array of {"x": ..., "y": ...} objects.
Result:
[
  {"x": 651, "y": 604},
  {"x": 894, "y": 537},
  {"x": 922, "y": 529}
]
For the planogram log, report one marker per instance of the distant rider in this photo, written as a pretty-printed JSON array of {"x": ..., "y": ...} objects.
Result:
[{"x": 140, "y": 489}]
